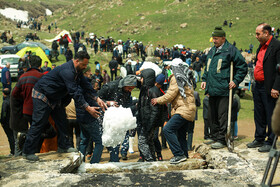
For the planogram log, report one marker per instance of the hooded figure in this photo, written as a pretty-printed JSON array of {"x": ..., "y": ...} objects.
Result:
[{"x": 147, "y": 116}]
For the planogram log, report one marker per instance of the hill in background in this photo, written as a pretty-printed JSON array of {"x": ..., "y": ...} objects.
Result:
[{"x": 165, "y": 22}]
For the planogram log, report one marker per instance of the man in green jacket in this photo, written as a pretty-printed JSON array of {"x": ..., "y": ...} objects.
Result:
[{"x": 216, "y": 81}]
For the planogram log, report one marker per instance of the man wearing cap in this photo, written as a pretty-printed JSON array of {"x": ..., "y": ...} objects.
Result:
[
  {"x": 216, "y": 82},
  {"x": 266, "y": 89},
  {"x": 117, "y": 93}
]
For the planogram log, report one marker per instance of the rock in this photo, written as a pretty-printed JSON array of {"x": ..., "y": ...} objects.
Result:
[
  {"x": 147, "y": 167},
  {"x": 142, "y": 17},
  {"x": 183, "y": 25},
  {"x": 49, "y": 168},
  {"x": 237, "y": 18},
  {"x": 157, "y": 28}
]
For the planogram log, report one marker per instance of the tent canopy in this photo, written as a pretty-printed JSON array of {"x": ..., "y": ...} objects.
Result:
[
  {"x": 36, "y": 51},
  {"x": 64, "y": 34}
]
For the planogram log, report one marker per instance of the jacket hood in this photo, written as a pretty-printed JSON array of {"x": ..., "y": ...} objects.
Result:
[{"x": 149, "y": 76}]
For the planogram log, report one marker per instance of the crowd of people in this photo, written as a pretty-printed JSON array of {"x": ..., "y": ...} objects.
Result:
[{"x": 51, "y": 103}]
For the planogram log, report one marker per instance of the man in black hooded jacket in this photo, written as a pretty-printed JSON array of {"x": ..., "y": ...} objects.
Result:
[{"x": 148, "y": 115}]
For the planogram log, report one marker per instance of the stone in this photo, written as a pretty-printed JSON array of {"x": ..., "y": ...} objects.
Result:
[
  {"x": 142, "y": 17},
  {"x": 183, "y": 25}
]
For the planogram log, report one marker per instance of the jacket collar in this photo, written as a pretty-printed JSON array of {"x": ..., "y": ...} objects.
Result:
[{"x": 268, "y": 50}]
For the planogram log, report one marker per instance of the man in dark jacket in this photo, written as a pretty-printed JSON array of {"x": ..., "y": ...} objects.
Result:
[
  {"x": 5, "y": 120},
  {"x": 266, "y": 89},
  {"x": 23, "y": 92},
  {"x": 6, "y": 77},
  {"x": 68, "y": 54},
  {"x": 216, "y": 81},
  {"x": 51, "y": 94},
  {"x": 119, "y": 93},
  {"x": 197, "y": 66},
  {"x": 55, "y": 49},
  {"x": 113, "y": 65},
  {"x": 148, "y": 115}
]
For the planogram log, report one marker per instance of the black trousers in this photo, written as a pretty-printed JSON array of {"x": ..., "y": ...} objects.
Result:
[
  {"x": 218, "y": 117},
  {"x": 113, "y": 73},
  {"x": 263, "y": 109}
]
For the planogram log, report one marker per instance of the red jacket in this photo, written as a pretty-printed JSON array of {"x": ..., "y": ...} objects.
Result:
[{"x": 23, "y": 89}]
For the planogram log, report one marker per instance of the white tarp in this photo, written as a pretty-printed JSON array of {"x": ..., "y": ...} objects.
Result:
[{"x": 63, "y": 33}]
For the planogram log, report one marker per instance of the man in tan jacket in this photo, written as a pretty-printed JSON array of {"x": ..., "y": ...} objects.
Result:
[{"x": 180, "y": 95}]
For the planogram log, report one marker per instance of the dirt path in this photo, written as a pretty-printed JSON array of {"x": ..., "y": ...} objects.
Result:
[{"x": 245, "y": 133}]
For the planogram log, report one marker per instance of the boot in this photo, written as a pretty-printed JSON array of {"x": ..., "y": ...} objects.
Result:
[{"x": 131, "y": 141}]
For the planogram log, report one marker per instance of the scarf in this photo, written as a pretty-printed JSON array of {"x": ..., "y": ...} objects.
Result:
[{"x": 184, "y": 76}]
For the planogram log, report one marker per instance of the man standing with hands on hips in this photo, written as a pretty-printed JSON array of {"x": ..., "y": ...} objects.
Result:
[
  {"x": 216, "y": 81},
  {"x": 266, "y": 90}
]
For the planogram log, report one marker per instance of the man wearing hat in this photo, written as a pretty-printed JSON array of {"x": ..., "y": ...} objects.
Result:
[
  {"x": 216, "y": 82},
  {"x": 117, "y": 93}
]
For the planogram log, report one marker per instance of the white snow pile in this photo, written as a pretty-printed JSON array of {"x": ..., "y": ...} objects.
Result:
[
  {"x": 116, "y": 121},
  {"x": 14, "y": 14},
  {"x": 48, "y": 12},
  {"x": 151, "y": 65}
]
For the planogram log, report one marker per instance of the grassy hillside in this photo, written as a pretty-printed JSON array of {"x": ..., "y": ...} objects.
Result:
[{"x": 158, "y": 21}]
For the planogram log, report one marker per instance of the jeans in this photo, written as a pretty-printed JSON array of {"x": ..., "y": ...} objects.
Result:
[
  {"x": 62, "y": 50},
  {"x": 41, "y": 113},
  {"x": 190, "y": 135},
  {"x": 199, "y": 75},
  {"x": 114, "y": 153},
  {"x": 177, "y": 143},
  {"x": 125, "y": 144},
  {"x": 91, "y": 131},
  {"x": 263, "y": 108}
]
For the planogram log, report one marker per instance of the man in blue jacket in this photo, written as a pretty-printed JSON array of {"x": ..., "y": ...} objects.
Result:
[
  {"x": 6, "y": 77},
  {"x": 50, "y": 96}
]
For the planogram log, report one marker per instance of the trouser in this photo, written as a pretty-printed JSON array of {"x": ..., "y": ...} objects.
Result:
[
  {"x": 114, "y": 153},
  {"x": 146, "y": 143},
  {"x": 62, "y": 50},
  {"x": 74, "y": 125},
  {"x": 10, "y": 136},
  {"x": 41, "y": 113},
  {"x": 95, "y": 49},
  {"x": 207, "y": 129},
  {"x": 91, "y": 131},
  {"x": 263, "y": 109},
  {"x": 125, "y": 144},
  {"x": 175, "y": 133},
  {"x": 113, "y": 73},
  {"x": 218, "y": 117},
  {"x": 199, "y": 75},
  {"x": 190, "y": 135},
  {"x": 125, "y": 54},
  {"x": 157, "y": 142},
  {"x": 7, "y": 86}
]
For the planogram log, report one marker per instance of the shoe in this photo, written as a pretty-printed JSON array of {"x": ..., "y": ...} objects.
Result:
[
  {"x": 264, "y": 148},
  {"x": 124, "y": 157},
  {"x": 218, "y": 145},
  {"x": 235, "y": 137},
  {"x": 160, "y": 158},
  {"x": 31, "y": 157},
  {"x": 69, "y": 150},
  {"x": 209, "y": 141},
  {"x": 178, "y": 159},
  {"x": 255, "y": 144},
  {"x": 141, "y": 159}
]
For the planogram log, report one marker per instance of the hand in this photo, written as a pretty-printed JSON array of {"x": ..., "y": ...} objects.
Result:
[
  {"x": 203, "y": 85},
  {"x": 101, "y": 104},
  {"x": 154, "y": 101},
  {"x": 112, "y": 103},
  {"x": 231, "y": 85},
  {"x": 93, "y": 111},
  {"x": 274, "y": 93}
]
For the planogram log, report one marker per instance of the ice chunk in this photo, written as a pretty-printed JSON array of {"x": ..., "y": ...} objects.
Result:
[{"x": 116, "y": 121}]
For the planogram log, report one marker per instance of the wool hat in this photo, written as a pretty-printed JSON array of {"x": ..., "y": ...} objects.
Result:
[
  {"x": 129, "y": 80},
  {"x": 218, "y": 32},
  {"x": 160, "y": 79},
  {"x": 86, "y": 70}
]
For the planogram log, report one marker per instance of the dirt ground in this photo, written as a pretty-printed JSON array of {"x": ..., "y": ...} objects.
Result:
[{"x": 246, "y": 131}]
